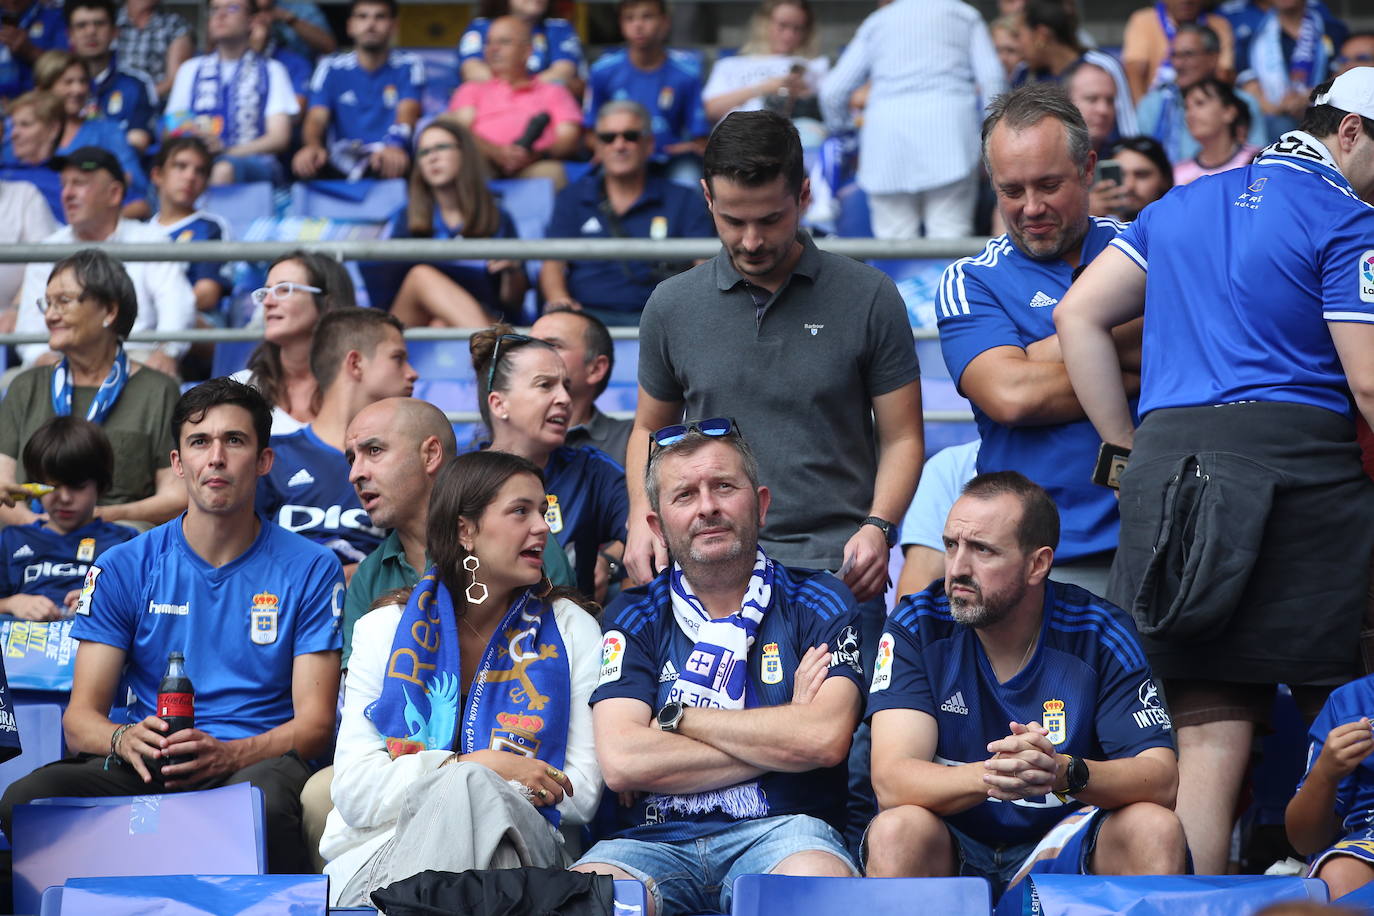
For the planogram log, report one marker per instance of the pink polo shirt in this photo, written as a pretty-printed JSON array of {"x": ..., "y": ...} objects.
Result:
[{"x": 503, "y": 110}]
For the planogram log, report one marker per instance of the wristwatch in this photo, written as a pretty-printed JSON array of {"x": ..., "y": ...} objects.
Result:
[
  {"x": 670, "y": 716},
  {"x": 888, "y": 529},
  {"x": 1075, "y": 777}
]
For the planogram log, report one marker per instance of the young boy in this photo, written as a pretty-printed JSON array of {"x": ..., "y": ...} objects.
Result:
[
  {"x": 1331, "y": 818},
  {"x": 46, "y": 561},
  {"x": 666, "y": 82},
  {"x": 181, "y": 172}
]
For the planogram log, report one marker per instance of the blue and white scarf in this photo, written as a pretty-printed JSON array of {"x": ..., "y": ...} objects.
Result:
[
  {"x": 1308, "y": 65},
  {"x": 105, "y": 396},
  {"x": 716, "y": 674},
  {"x": 418, "y": 709},
  {"x": 238, "y": 106}
]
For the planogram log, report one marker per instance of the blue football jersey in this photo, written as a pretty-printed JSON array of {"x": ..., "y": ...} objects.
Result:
[
  {"x": 239, "y": 626},
  {"x": 671, "y": 93},
  {"x": 307, "y": 491},
  {"x": 203, "y": 227},
  {"x": 40, "y": 561},
  {"x": 643, "y": 650},
  {"x": 361, "y": 102},
  {"x": 1088, "y": 683},
  {"x": 1355, "y": 795},
  {"x": 588, "y": 506},
  {"x": 1003, "y": 298}
]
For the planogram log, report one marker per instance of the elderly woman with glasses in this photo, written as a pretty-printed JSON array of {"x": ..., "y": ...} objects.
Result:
[
  {"x": 301, "y": 286},
  {"x": 89, "y": 307},
  {"x": 522, "y": 388}
]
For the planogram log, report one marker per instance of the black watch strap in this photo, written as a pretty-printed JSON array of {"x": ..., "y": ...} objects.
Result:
[{"x": 889, "y": 529}]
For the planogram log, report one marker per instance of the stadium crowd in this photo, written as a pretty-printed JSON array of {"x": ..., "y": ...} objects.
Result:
[{"x": 667, "y": 648}]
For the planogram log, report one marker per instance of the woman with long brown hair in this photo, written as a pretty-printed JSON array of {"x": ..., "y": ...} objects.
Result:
[{"x": 449, "y": 199}]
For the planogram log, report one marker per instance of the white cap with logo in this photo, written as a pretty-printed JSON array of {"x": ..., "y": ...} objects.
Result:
[{"x": 1352, "y": 91}]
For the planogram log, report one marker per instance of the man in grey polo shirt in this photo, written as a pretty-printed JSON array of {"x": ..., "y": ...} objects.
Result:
[{"x": 809, "y": 352}]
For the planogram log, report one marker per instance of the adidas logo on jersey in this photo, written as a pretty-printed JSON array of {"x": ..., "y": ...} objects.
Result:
[
  {"x": 955, "y": 704},
  {"x": 669, "y": 672},
  {"x": 1041, "y": 301},
  {"x": 300, "y": 478},
  {"x": 24, "y": 551},
  {"x": 348, "y": 97}
]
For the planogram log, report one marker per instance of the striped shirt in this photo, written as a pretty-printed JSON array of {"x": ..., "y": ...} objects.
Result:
[
  {"x": 145, "y": 49},
  {"x": 929, "y": 62}
]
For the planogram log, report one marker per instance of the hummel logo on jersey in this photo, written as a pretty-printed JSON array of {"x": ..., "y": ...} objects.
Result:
[
  {"x": 24, "y": 551},
  {"x": 300, "y": 478},
  {"x": 955, "y": 704},
  {"x": 349, "y": 97},
  {"x": 669, "y": 672},
  {"x": 1041, "y": 300}
]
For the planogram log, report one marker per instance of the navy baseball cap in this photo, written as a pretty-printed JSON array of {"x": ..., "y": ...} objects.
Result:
[{"x": 88, "y": 159}]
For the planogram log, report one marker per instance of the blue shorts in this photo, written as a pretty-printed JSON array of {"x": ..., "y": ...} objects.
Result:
[
  {"x": 698, "y": 876},
  {"x": 1065, "y": 850},
  {"x": 1358, "y": 844},
  {"x": 256, "y": 167}
]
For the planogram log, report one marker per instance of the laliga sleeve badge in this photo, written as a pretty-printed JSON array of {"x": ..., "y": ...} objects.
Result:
[
  {"x": 882, "y": 665},
  {"x": 115, "y": 102},
  {"x": 85, "y": 550},
  {"x": 83, "y": 601},
  {"x": 612, "y": 654},
  {"x": 1055, "y": 721},
  {"x": 264, "y": 618},
  {"x": 1366, "y": 271},
  {"x": 772, "y": 664},
  {"x": 658, "y": 228},
  {"x": 553, "y": 515}
]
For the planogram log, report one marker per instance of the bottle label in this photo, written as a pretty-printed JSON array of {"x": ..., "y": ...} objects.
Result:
[{"x": 176, "y": 705}]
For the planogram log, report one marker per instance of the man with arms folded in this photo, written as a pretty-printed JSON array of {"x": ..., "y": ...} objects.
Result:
[
  {"x": 728, "y": 695},
  {"x": 1016, "y": 725}
]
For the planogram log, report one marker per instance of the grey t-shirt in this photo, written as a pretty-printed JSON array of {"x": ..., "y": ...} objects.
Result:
[
  {"x": 799, "y": 378},
  {"x": 139, "y": 426}
]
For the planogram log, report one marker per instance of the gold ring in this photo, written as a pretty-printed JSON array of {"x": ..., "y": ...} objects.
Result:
[
  {"x": 543, "y": 793},
  {"x": 555, "y": 772}
]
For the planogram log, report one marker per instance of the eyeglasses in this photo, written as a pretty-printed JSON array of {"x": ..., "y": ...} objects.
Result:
[
  {"x": 1354, "y": 59},
  {"x": 609, "y": 136},
  {"x": 496, "y": 352},
  {"x": 716, "y": 427},
  {"x": 424, "y": 151},
  {"x": 226, "y": 8},
  {"x": 281, "y": 291},
  {"x": 63, "y": 304}
]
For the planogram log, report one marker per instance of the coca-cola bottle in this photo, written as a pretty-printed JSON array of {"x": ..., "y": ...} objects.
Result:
[{"x": 176, "y": 701}]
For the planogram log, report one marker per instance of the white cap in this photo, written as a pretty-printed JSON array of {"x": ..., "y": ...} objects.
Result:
[{"x": 1352, "y": 91}]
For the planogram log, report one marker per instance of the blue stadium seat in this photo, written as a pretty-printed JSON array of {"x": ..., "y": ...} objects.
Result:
[
  {"x": 630, "y": 898},
  {"x": 231, "y": 356},
  {"x": 240, "y": 204},
  {"x": 785, "y": 895},
  {"x": 529, "y": 201},
  {"x": 448, "y": 394},
  {"x": 1156, "y": 895},
  {"x": 40, "y": 732},
  {"x": 191, "y": 895},
  {"x": 441, "y": 79},
  {"x": 370, "y": 200},
  {"x": 57, "y": 839},
  {"x": 1361, "y": 900}
]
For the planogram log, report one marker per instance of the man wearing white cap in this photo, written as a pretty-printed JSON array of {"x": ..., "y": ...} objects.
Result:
[{"x": 1244, "y": 512}]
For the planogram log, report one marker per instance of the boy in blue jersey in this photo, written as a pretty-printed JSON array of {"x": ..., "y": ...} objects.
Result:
[
  {"x": 1331, "y": 818},
  {"x": 1016, "y": 725},
  {"x": 665, "y": 82},
  {"x": 366, "y": 100},
  {"x": 996, "y": 318},
  {"x": 253, "y": 609},
  {"x": 181, "y": 172},
  {"x": 358, "y": 357},
  {"x": 1257, "y": 285},
  {"x": 754, "y": 672},
  {"x": 45, "y": 562},
  {"x": 124, "y": 96}
]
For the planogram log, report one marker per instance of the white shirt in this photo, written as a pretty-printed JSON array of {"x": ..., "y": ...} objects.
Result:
[
  {"x": 929, "y": 62},
  {"x": 742, "y": 70},
  {"x": 282, "y": 422},
  {"x": 24, "y": 217},
  {"x": 165, "y": 299},
  {"x": 369, "y": 786},
  {"x": 281, "y": 98}
]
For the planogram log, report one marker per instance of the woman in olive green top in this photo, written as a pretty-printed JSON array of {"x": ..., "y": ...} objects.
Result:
[{"x": 89, "y": 307}]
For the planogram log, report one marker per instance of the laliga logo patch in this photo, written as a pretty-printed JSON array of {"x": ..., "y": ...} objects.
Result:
[
  {"x": 612, "y": 653},
  {"x": 1366, "y": 271},
  {"x": 85, "y": 550},
  {"x": 553, "y": 516},
  {"x": 264, "y": 618},
  {"x": 772, "y": 664},
  {"x": 1055, "y": 721},
  {"x": 658, "y": 228},
  {"x": 115, "y": 103},
  {"x": 83, "y": 601},
  {"x": 882, "y": 667}
]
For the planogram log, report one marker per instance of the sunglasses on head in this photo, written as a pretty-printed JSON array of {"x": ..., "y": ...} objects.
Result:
[
  {"x": 496, "y": 352},
  {"x": 715, "y": 427},
  {"x": 608, "y": 136}
]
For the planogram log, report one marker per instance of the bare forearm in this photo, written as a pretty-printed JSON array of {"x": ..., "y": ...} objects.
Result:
[
  {"x": 1116, "y": 783},
  {"x": 941, "y": 790},
  {"x": 791, "y": 738},
  {"x": 87, "y": 731},
  {"x": 1310, "y": 820},
  {"x": 899, "y": 468},
  {"x": 567, "y": 139},
  {"x": 1092, "y": 364},
  {"x": 553, "y": 281},
  {"x": 308, "y": 739},
  {"x": 313, "y": 130},
  {"x": 1031, "y": 393},
  {"x": 648, "y": 760}
]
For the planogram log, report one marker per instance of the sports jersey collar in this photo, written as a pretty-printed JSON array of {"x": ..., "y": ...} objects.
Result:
[
  {"x": 310, "y": 436},
  {"x": 1032, "y": 662},
  {"x": 808, "y": 265},
  {"x": 1300, "y": 148},
  {"x": 179, "y": 224},
  {"x": 265, "y": 526},
  {"x": 592, "y": 191}
]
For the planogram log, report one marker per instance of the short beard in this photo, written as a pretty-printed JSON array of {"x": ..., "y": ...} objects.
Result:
[
  {"x": 724, "y": 567},
  {"x": 984, "y": 610}
]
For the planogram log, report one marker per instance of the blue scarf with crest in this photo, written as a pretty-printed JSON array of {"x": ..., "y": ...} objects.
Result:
[
  {"x": 105, "y": 396},
  {"x": 236, "y": 107},
  {"x": 520, "y": 699}
]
